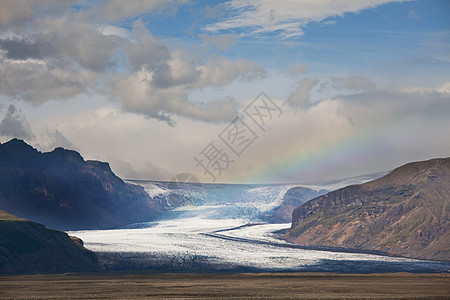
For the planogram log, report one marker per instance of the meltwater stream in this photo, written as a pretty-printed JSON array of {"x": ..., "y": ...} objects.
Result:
[{"x": 222, "y": 228}]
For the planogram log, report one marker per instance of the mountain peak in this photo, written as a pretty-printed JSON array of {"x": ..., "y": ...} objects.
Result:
[
  {"x": 15, "y": 142},
  {"x": 413, "y": 173},
  {"x": 16, "y": 147},
  {"x": 406, "y": 212},
  {"x": 62, "y": 190},
  {"x": 70, "y": 155}
]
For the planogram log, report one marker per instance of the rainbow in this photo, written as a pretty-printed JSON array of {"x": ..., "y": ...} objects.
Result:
[{"x": 300, "y": 163}]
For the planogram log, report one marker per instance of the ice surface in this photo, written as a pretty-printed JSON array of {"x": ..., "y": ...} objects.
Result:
[{"x": 214, "y": 235}]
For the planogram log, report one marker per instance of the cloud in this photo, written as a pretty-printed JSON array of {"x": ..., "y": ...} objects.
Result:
[
  {"x": 58, "y": 59},
  {"x": 61, "y": 38},
  {"x": 413, "y": 15},
  {"x": 146, "y": 170},
  {"x": 15, "y": 125},
  {"x": 300, "y": 97},
  {"x": 22, "y": 49},
  {"x": 220, "y": 71},
  {"x": 139, "y": 94},
  {"x": 120, "y": 137},
  {"x": 37, "y": 81},
  {"x": 285, "y": 17},
  {"x": 116, "y": 10},
  {"x": 161, "y": 86},
  {"x": 354, "y": 83},
  {"x": 214, "y": 12},
  {"x": 297, "y": 69},
  {"x": 100, "y": 51},
  {"x": 71, "y": 53},
  {"x": 15, "y": 13},
  {"x": 396, "y": 103},
  {"x": 338, "y": 137},
  {"x": 75, "y": 38},
  {"x": 222, "y": 41},
  {"x": 146, "y": 51},
  {"x": 56, "y": 139},
  {"x": 444, "y": 88},
  {"x": 350, "y": 135},
  {"x": 11, "y": 13}
]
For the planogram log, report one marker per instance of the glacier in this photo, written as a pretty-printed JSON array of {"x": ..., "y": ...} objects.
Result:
[{"x": 222, "y": 228}]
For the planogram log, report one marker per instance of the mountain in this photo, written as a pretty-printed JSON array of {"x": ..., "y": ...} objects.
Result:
[
  {"x": 406, "y": 212},
  {"x": 63, "y": 191},
  {"x": 28, "y": 247},
  {"x": 293, "y": 198}
]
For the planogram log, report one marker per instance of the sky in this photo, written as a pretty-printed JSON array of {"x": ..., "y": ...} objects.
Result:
[{"x": 234, "y": 91}]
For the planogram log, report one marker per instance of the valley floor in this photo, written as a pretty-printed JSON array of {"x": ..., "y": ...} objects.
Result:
[{"x": 236, "y": 286}]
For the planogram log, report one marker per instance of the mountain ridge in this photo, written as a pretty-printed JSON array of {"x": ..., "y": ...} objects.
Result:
[
  {"x": 62, "y": 190},
  {"x": 406, "y": 213},
  {"x": 30, "y": 247}
]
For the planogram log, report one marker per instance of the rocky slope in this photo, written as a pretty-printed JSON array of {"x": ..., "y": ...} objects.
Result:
[
  {"x": 28, "y": 247},
  {"x": 406, "y": 212},
  {"x": 63, "y": 191},
  {"x": 293, "y": 198}
]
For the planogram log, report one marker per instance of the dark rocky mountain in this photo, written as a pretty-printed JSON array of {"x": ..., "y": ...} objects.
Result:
[
  {"x": 28, "y": 247},
  {"x": 293, "y": 198},
  {"x": 63, "y": 191},
  {"x": 406, "y": 212}
]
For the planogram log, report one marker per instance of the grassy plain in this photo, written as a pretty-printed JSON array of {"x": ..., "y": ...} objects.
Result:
[{"x": 232, "y": 286}]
